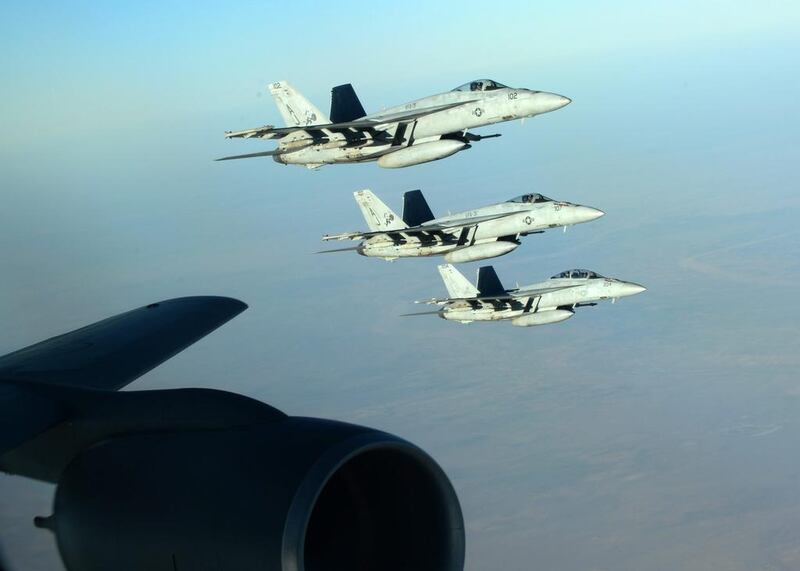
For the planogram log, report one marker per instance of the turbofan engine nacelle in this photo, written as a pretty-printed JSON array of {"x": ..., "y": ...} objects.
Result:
[
  {"x": 542, "y": 317},
  {"x": 480, "y": 252},
  {"x": 297, "y": 494},
  {"x": 421, "y": 153}
]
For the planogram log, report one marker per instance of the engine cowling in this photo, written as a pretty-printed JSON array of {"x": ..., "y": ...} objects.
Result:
[
  {"x": 542, "y": 317},
  {"x": 480, "y": 252},
  {"x": 421, "y": 153},
  {"x": 296, "y": 494}
]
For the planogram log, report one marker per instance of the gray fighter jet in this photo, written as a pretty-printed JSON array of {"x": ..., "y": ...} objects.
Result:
[
  {"x": 468, "y": 236},
  {"x": 538, "y": 304},
  {"x": 423, "y": 130}
]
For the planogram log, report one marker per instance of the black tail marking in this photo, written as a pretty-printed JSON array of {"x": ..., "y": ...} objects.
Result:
[
  {"x": 345, "y": 105},
  {"x": 415, "y": 208}
]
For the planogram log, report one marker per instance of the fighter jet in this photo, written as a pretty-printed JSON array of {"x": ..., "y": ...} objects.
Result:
[
  {"x": 538, "y": 304},
  {"x": 468, "y": 236},
  {"x": 423, "y": 130}
]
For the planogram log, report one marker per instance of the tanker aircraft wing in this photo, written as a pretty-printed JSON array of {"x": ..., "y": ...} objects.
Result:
[
  {"x": 104, "y": 356},
  {"x": 450, "y": 225},
  {"x": 124, "y": 460}
]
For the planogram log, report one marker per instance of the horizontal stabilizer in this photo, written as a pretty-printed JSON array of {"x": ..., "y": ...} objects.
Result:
[
  {"x": 435, "y": 312},
  {"x": 351, "y": 249},
  {"x": 252, "y": 155},
  {"x": 111, "y": 353}
]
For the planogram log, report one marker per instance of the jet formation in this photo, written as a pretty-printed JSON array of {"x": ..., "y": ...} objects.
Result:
[
  {"x": 187, "y": 478},
  {"x": 427, "y": 129},
  {"x": 541, "y": 303},
  {"x": 477, "y": 234}
]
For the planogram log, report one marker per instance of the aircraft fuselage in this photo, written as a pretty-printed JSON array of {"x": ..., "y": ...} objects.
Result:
[
  {"x": 480, "y": 109},
  {"x": 570, "y": 293},
  {"x": 518, "y": 219}
]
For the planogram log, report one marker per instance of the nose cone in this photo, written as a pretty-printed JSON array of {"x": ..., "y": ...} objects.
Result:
[
  {"x": 587, "y": 214},
  {"x": 545, "y": 102},
  {"x": 629, "y": 288}
]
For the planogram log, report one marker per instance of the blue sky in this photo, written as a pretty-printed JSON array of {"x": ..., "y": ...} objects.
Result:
[{"x": 656, "y": 433}]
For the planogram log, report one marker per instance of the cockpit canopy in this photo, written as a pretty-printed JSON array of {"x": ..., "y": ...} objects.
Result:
[
  {"x": 577, "y": 274},
  {"x": 480, "y": 85},
  {"x": 531, "y": 198}
]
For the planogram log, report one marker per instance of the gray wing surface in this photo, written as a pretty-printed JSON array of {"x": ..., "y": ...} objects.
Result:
[
  {"x": 106, "y": 355},
  {"x": 253, "y": 155},
  {"x": 450, "y": 225},
  {"x": 113, "y": 352},
  {"x": 375, "y": 122},
  {"x": 509, "y": 296},
  {"x": 462, "y": 222}
]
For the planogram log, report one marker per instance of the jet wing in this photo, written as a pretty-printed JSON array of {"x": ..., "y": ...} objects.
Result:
[
  {"x": 403, "y": 116},
  {"x": 252, "y": 155},
  {"x": 272, "y": 153},
  {"x": 375, "y": 122},
  {"x": 534, "y": 292},
  {"x": 106, "y": 355},
  {"x": 111, "y": 353},
  {"x": 482, "y": 299},
  {"x": 512, "y": 295},
  {"x": 450, "y": 225}
]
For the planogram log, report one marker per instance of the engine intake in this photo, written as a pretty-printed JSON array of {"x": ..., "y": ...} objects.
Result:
[{"x": 297, "y": 494}]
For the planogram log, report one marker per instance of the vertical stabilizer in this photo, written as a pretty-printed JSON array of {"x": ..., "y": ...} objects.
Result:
[
  {"x": 297, "y": 111},
  {"x": 457, "y": 285},
  {"x": 379, "y": 217},
  {"x": 488, "y": 282},
  {"x": 415, "y": 208},
  {"x": 345, "y": 105}
]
